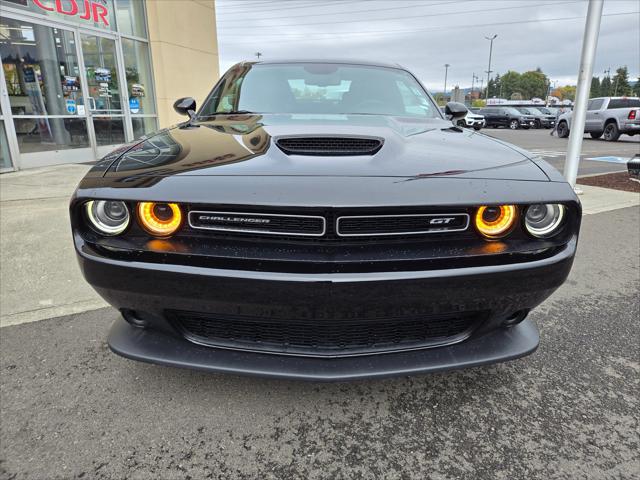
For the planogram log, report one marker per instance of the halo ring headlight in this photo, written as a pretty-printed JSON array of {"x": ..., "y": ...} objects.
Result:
[
  {"x": 160, "y": 219},
  {"x": 108, "y": 217},
  {"x": 495, "y": 221},
  {"x": 542, "y": 220}
]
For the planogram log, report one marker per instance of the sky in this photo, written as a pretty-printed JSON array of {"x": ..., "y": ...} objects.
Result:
[{"x": 424, "y": 35}]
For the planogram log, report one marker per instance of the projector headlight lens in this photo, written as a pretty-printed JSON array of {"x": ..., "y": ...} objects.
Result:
[
  {"x": 495, "y": 221},
  {"x": 160, "y": 219},
  {"x": 109, "y": 217},
  {"x": 543, "y": 219}
]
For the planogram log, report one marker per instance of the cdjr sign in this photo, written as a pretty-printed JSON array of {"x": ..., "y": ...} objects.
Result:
[{"x": 84, "y": 9}]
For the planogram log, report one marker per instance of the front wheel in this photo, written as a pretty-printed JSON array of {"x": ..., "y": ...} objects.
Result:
[
  {"x": 538, "y": 124},
  {"x": 595, "y": 134},
  {"x": 611, "y": 132},
  {"x": 563, "y": 130},
  {"x": 461, "y": 123},
  {"x": 514, "y": 124}
]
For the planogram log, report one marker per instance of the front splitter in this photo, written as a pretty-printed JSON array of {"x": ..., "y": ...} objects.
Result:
[{"x": 156, "y": 347}]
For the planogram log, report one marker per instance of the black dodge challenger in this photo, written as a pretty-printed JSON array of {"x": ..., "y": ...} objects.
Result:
[{"x": 323, "y": 221}]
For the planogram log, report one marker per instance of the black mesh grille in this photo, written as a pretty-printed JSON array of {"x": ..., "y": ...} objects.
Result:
[
  {"x": 329, "y": 146},
  {"x": 398, "y": 224},
  {"x": 257, "y": 223},
  {"x": 324, "y": 337}
]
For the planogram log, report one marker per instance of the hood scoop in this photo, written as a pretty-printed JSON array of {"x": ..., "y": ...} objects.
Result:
[{"x": 329, "y": 146}]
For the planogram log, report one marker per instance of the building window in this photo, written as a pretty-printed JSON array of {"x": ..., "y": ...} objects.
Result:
[
  {"x": 137, "y": 65},
  {"x": 143, "y": 126},
  {"x": 5, "y": 158},
  {"x": 40, "y": 68},
  {"x": 131, "y": 18}
]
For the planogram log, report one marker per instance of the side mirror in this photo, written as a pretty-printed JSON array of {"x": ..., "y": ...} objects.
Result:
[
  {"x": 455, "y": 110},
  {"x": 185, "y": 106}
]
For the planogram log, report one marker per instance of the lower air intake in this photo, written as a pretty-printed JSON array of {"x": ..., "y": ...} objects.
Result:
[{"x": 326, "y": 337}]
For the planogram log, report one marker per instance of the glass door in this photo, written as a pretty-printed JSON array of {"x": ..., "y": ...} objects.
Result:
[
  {"x": 104, "y": 100},
  {"x": 40, "y": 96}
]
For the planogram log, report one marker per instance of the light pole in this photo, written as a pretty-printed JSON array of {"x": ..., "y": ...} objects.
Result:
[
  {"x": 491, "y": 39},
  {"x": 578, "y": 117},
  {"x": 446, "y": 70},
  {"x": 258, "y": 55}
]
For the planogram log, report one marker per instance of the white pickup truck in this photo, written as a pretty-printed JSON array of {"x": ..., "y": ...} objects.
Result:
[{"x": 607, "y": 116}]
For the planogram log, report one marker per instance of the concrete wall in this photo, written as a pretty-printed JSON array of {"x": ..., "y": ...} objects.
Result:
[{"x": 184, "y": 50}]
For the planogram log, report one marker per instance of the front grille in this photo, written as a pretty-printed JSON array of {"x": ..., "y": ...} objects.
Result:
[
  {"x": 332, "y": 225},
  {"x": 262, "y": 223},
  {"x": 329, "y": 146},
  {"x": 367, "y": 225},
  {"x": 326, "y": 337}
]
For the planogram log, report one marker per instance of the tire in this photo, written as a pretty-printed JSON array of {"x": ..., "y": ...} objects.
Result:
[
  {"x": 476, "y": 128},
  {"x": 611, "y": 132},
  {"x": 461, "y": 123},
  {"x": 514, "y": 124},
  {"x": 538, "y": 124},
  {"x": 563, "y": 130},
  {"x": 596, "y": 134}
]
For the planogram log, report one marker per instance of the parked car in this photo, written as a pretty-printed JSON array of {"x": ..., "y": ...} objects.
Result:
[
  {"x": 607, "y": 117},
  {"x": 549, "y": 110},
  {"x": 542, "y": 120},
  {"x": 299, "y": 233},
  {"x": 506, "y": 117},
  {"x": 472, "y": 120}
]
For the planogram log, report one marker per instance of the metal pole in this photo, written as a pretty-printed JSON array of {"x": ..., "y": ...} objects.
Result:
[
  {"x": 473, "y": 81},
  {"x": 446, "y": 69},
  {"x": 578, "y": 117},
  {"x": 491, "y": 39}
]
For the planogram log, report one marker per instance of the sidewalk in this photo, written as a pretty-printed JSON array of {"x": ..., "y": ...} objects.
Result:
[{"x": 39, "y": 275}]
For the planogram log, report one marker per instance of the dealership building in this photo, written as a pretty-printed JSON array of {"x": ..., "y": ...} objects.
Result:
[{"x": 80, "y": 77}]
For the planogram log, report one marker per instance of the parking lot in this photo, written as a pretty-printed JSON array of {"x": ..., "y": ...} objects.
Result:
[
  {"x": 553, "y": 149},
  {"x": 71, "y": 409}
]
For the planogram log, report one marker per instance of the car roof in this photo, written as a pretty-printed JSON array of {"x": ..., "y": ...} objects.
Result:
[{"x": 342, "y": 61}]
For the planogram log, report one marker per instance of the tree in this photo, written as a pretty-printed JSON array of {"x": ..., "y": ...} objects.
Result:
[
  {"x": 636, "y": 88},
  {"x": 510, "y": 82},
  {"x": 620, "y": 82},
  {"x": 605, "y": 87},
  {"x": 568, "y": 92},
  {"x": 494, "y": 86},
  {"x": 595, "y": 87},
  {"x": 533, "y": 84}
]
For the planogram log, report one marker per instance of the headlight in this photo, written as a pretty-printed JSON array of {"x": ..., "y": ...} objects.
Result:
[
  {"x": 109, "y": 217},
  {"x": 543, "y": 219},
  {"x": 160, "y": 219},
  {"x": 495, "y": 222}
]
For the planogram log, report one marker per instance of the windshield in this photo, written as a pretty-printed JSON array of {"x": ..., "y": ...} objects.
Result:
[{"x": 319, "y": 88}]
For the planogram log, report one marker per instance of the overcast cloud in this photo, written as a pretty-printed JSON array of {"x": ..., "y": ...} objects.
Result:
[{"x": 424, "y": 35}]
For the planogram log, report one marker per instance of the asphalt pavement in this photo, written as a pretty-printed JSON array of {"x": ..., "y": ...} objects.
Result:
[
  {"x": 71, "y": 409},
  {"x": 596, "y": 156}
]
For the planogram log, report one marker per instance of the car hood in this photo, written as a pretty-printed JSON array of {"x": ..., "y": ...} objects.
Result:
[{"x": 233, "y": 145}]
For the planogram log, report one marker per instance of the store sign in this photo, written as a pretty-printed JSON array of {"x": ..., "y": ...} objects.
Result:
[{"x": 92, "y": 10}]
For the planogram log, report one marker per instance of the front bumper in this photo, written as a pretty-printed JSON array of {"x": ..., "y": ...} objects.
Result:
[
  {"x": 152, "y": 289},
  {"x": 474, "y": 123}
]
